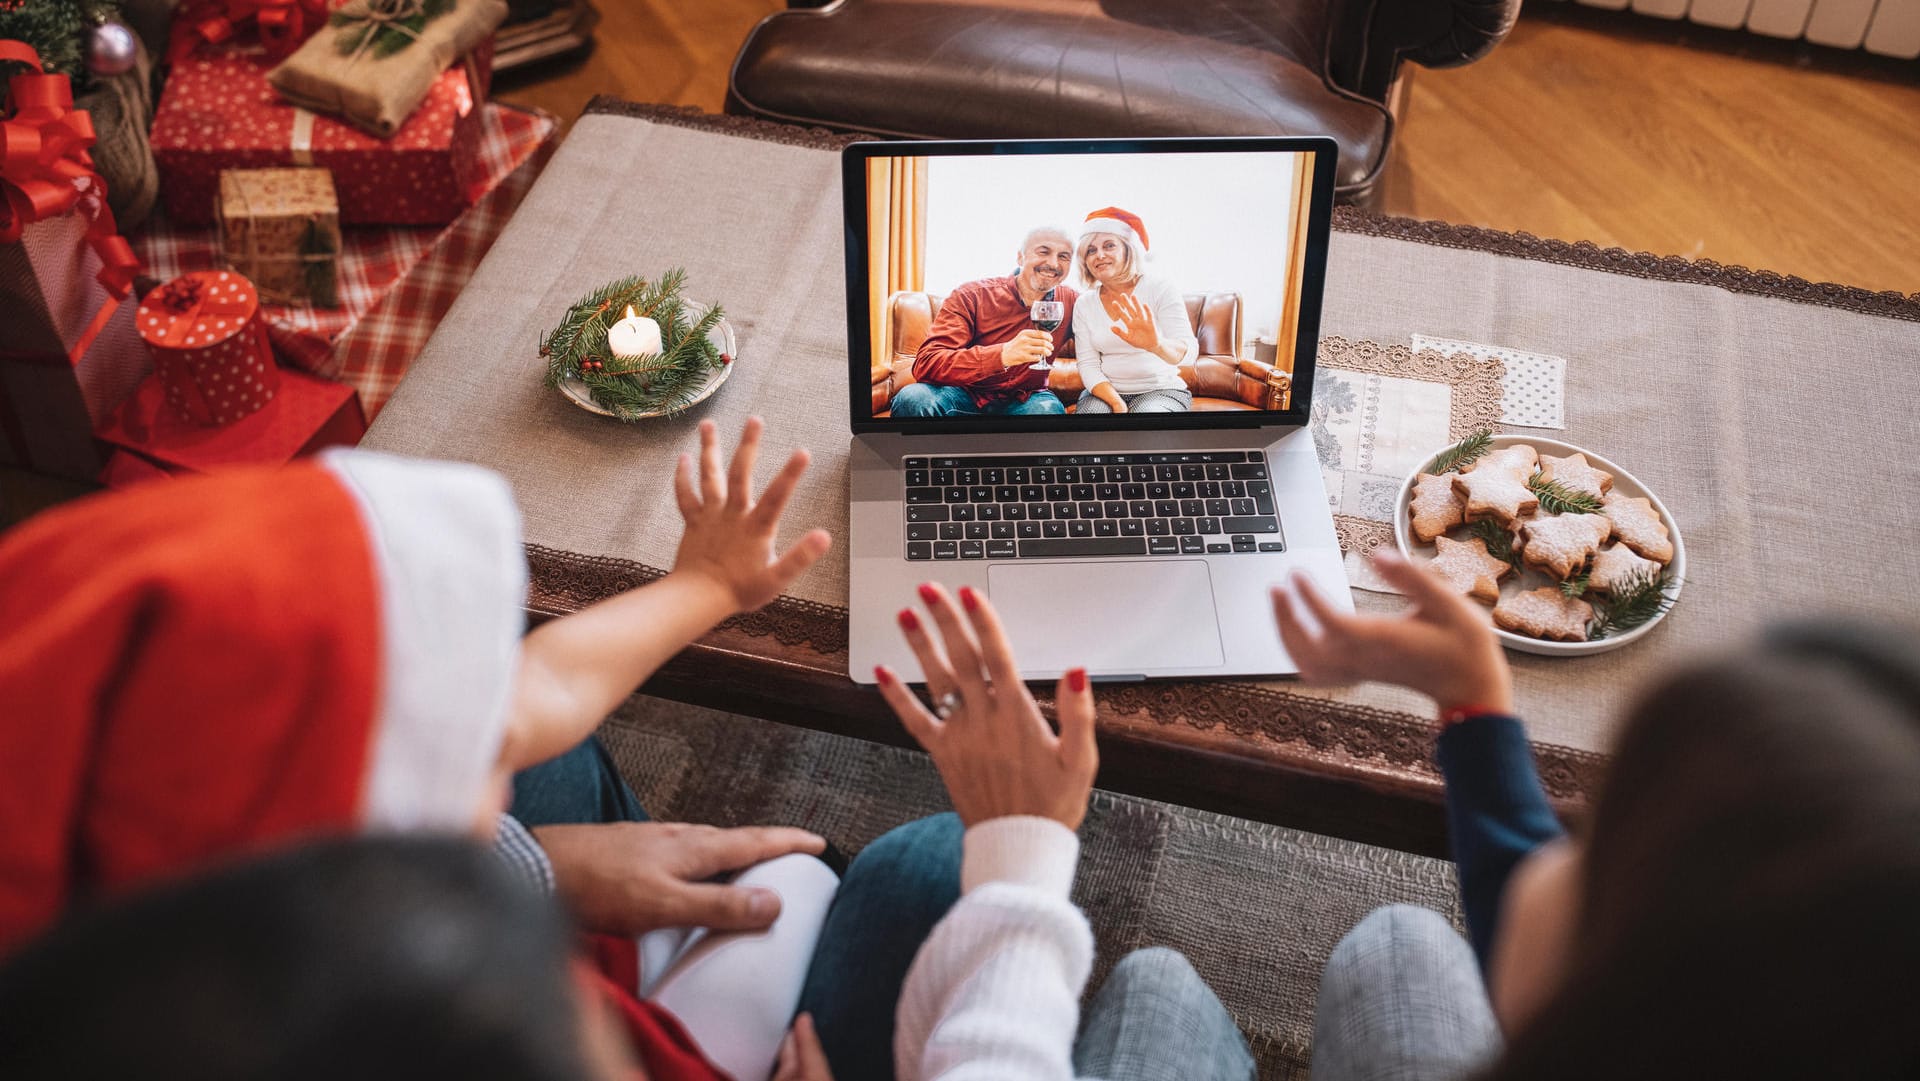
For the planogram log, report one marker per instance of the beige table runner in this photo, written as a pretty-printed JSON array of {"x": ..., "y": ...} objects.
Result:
[{"x": 1780, "y": 433}]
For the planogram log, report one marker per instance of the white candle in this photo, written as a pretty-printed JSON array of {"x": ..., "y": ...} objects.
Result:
[{"x": 634, "y": 336}]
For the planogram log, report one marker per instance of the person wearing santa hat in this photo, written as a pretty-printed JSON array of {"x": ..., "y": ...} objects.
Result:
[
  {"x": 1131, "y": 328},
  {"x": 979, "y": 355},
  {"x": 205, "y": 668}
]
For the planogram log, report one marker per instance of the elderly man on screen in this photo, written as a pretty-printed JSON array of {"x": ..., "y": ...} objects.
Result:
[{"x": 979, "y": 356}]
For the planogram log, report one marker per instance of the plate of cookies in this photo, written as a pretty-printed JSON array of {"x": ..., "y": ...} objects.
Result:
[{"x": 1571, "y": 553}]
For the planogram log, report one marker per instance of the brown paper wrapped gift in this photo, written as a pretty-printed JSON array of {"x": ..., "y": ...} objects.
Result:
[
  {"x": 374, "y": 62},
  {"x": 281, "y": 229}
]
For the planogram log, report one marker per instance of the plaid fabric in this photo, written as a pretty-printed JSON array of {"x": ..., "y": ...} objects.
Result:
[{"x": 395, "y": 283}]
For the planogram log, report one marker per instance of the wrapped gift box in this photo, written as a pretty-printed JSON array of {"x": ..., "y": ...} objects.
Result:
[
  {"x": 306, "y": 415},
  {"x": 281, "y": 228},
  {"x": 218, "y": 113},
  {"x": 395, "y": 283},
  {"x": 68, "y": 354}
]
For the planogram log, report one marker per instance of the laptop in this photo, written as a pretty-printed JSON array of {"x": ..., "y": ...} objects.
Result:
[{"x": 1080, "y": 378}]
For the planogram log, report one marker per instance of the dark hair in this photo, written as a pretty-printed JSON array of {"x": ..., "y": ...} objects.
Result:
[
  {"x": 407, "y": 959},
  {"x": 1751, "y": 886}
]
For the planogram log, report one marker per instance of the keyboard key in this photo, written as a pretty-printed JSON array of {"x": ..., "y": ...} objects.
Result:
[
  {"x": 1106, "y": 527},
  {"x": 1133, "y": 527},
  {"x": 1243, "y": 544},
  {"x": 1209, "y": 489},
  {"x": 923, "y": 495},
  {"x": 1159, "y": 491},
  {"x": 1141, "y": 473},
  {"x": 1013, "y": 512},
  {"x": 1080, "y": 528},
  {"x": 1082, "y": 493},
  {"x": 1089, "y": 510},
  {"x": 1032, "y": 493},
  {"x": 962, "y": 512},
  {"x": 951, "y": 530},
  {"x": 1182, "y": 527},
  {"x": 1234, "y": 489},
  {"x": 1166, "y": 508},
  {"x": 1207, "y": 526},
  {"x": 993, "y": 476},
  {"x": 1058, "y": 493},
  {"x": 1140, "y": 508},
  {"x": 1041, "y": 475},
  {"x": 955, "y": 494},
  {"x": 922, "y": 531},
  {"x": 1218, "y": 472},
  {"x": 1017, "y": 475},
  {"x": 1272, "y": 546},
  {"x": 1002, "y": 549},
  {"x": 1218, "y": 549},
  {"x": 917, "y": 478},
  {"x": 919, "y": 550},
  {"x": 1259, "y": 524},
  {"x": 916, "y": 463},
  {"x": 1089, "y": 546},
  {"x": 972, "y": 550},
  {"x": 1219, "y": 508},
  {"x": 942, "y": 477},
  {"x": 1005, "y": 493},
  {"x": 1166, "y": 472},
  {"x": 1243, "y": 506},
  {"x": 1262, "y": 494},
  {"x": 1067, "y": 474},
  {"x": 1193, "y": 472},
  {"x": 1108, "y": 492},
  {"x": 1133, "y": 491},
  {"x": 1053, "y": 529},
  {"x": 1113, "y": 509},
  {"x": 1029, "y": 529},
  {"x": 1159, "y": 527},
  {"x": 1250, "y": 471},
  {"x": 1184, "y": 490},
  {"x": 1162, "y": 546},
  {"x": 934, "y": 513},
  {"x": 1040, "y": 511},
  {"x": 1065, "y": 510},
  {"x": 1193, "y": 508},
  {"x": 946, "y": 550},
  {"x": 987, "y": 512},
  {"x": 966, "y": 476},
  {"x": 976, "y": 531},
  {"x": 980, "y": 493},
  {"x": 1192, "y": 545},
  {"x": 1002, "y": 531}
]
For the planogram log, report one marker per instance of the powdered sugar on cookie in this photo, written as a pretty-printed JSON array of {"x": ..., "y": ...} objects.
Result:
[
  {"x": 1562, "y": 543},
  {"x": 1435, "y": 507},
  {"x": 1469, "y": 569},
  {"x": 1639, "y": 527},
  {"x": 1544, "y": 613},
  {"x": 1575, "y": 474}
]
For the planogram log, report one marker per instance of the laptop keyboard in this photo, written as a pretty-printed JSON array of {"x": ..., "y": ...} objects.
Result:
[{"x": 1052, "y": 506}]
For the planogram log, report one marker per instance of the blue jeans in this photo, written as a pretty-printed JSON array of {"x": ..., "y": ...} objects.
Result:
[
  {"x": 928, "y": 400},
  {"x": 892, "y": 895},
  {"x": 1402, "y": 1000},
  {"x": 1156, "y": 1018}
]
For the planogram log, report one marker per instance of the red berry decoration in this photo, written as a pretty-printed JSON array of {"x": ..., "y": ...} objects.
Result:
[{"x": 726, "y": 358}]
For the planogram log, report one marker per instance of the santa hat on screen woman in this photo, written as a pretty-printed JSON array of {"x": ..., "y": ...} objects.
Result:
[{"x": 1112, "y": 219}]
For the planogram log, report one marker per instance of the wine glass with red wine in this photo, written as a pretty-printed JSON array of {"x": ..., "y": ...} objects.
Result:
[{"x": 1047, "y": 314}]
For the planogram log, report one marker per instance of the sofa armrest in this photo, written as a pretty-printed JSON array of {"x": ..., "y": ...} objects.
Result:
[
  {"x": 1367, "y": 39},
  {"x": 882, "y": 388},
  {"x": 1277, "y": 382}
]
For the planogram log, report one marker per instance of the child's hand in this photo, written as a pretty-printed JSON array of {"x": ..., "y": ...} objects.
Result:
[
  {"x": 729, "y": 537},
  {"x": 1442, "y": 648}
]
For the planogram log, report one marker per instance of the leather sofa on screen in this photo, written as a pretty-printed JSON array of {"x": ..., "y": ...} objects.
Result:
[
  {"x": 1217, "y": 377},
  {"x": 1007, "y": 69}
]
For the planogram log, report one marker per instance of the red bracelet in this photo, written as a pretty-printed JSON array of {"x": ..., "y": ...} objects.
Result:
[{"x": 1453, "y": 715}]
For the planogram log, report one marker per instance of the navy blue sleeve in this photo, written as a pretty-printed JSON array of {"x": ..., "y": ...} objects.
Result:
[{"x": 1497, "y": 814}]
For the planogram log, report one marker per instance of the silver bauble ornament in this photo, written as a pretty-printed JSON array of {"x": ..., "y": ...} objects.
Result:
[{"x": 111, "y": 50}]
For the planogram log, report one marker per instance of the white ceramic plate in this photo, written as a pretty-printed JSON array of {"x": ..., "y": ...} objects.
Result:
[
  {"x": 1624, "y": 483},
  {"x": 721, "y": 336}
]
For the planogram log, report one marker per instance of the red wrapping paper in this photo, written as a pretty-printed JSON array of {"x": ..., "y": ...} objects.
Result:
[
  {"x": 281, "y": 25},
  {"x": 218, "y": 112},
  {"x": 209, "y": 347},
  {"x": 307, "y": 415}
]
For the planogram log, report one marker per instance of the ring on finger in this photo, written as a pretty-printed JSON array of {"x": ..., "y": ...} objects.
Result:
[{"x": 946, "y": 705}]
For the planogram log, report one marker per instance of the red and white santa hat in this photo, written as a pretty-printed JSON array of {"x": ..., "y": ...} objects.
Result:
[
  {"x": 1112, "y": 219},
  {"x": 199, "y": 668}
]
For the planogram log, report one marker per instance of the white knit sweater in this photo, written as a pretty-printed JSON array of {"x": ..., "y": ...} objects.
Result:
[
  {"x": 995, "y": 992},
  {"x": 1105, "y": 358}
]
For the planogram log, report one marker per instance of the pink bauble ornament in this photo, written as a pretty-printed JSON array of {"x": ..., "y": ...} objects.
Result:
[{"x": 111, "y": 50}]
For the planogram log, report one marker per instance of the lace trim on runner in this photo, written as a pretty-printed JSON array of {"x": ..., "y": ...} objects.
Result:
[
  {"x": 1668, "y": 268},
  {"x": 564, "y": 582},
  {"x": 1583, "y": 253}
]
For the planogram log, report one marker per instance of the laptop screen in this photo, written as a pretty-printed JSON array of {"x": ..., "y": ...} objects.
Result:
[{"x": 1163, "y": 283}]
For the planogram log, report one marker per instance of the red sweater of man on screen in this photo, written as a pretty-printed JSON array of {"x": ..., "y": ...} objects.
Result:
[{"x": 963, "y": 346}]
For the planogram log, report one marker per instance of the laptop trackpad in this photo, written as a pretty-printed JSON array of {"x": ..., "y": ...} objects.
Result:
[{"x": 1113, "y": 617}]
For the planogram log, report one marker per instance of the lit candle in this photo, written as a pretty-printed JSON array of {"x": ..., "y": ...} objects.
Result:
[{"x": 634, "y": 336}]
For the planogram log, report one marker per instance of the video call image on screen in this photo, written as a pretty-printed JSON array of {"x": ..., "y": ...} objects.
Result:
[{"x": 1084, "y": 284}]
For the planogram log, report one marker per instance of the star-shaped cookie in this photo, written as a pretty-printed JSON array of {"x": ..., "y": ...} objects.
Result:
[
  {"x": 1468, "y": 568},
  {"x": 1435, "y": 507},
  {"x": 1561, "y": 544},
  {"x": 1518, "y": 459},
  {"x": 1496, "y": 493},
  {"x": 1615, "y": 564},
  {"x": 1575, "y": 474},
  {"x": 1639, "y": 527},
  {"x": 1544, "y": 613}
]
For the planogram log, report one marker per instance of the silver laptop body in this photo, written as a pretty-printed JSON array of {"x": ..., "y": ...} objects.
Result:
[{"x": 1160, "y": 597}]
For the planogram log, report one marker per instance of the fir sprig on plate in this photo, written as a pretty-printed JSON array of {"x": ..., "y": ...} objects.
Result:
[
  {"x": 1499, "y": 542},
  {"x": 1464, "y": 453},
  {"x": 1637, "y": 599},
  {"x": 633, "y": 388},
  {"x": 1576, "y": 585},
  {"x": 1557, "y": 498}
]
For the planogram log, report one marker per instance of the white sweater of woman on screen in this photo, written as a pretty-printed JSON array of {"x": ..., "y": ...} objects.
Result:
[{"x": 1130, "y": 329}]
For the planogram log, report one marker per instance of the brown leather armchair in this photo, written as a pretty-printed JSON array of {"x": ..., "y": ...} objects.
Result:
[
  {"x": 1052, "y": 69},
  {"x": 1218, "y": 378}
]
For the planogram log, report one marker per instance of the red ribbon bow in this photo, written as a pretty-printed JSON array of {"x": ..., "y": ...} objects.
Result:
[
  {"x": 45, "y": 170},
  {"x": 283, "y": 24},
  {"x": 186, "y": 301}
]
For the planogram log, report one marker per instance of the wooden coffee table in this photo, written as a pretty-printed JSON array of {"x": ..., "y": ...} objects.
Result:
[{"x": 1719, "y": 387}]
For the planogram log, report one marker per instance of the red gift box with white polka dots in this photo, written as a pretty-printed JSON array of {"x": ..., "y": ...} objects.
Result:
[
  {"x": 209, "y": 346},
  {"x": 217, "y": 112}
]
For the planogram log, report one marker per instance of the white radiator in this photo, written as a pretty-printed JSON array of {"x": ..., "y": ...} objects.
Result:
[{"x": 1886, "y": 27}]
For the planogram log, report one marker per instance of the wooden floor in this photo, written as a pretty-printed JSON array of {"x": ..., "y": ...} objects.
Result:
[{"x": 1566, "y": 130}]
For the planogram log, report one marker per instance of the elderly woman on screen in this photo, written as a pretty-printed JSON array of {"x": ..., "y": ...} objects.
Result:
[{"x": 1135, "y": 334}]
